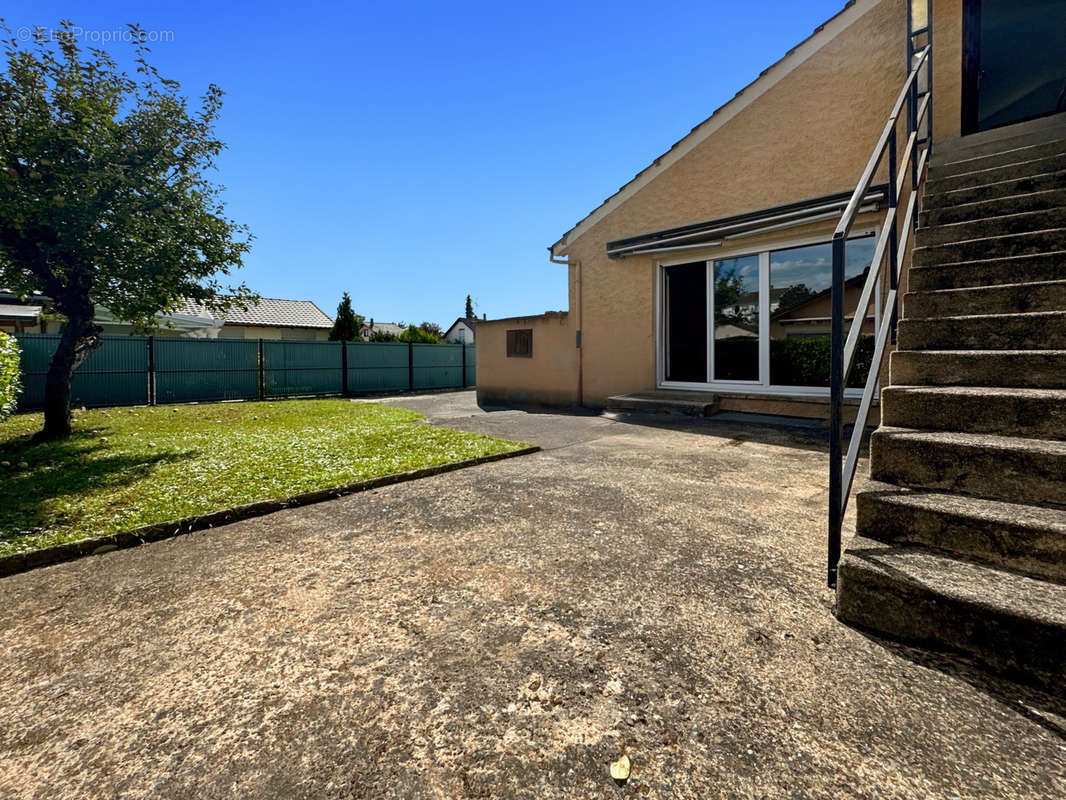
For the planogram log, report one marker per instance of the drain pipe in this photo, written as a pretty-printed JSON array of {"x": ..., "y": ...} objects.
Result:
[{"x": 580, "y": 321}]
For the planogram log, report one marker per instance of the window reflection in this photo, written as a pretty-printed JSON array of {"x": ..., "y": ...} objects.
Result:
[
  {"x": 800, "y": 312},
  {"x": 736, "y": 319}
]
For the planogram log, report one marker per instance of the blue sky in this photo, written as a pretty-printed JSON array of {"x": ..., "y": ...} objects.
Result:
[{"x": 412, "y": 153}]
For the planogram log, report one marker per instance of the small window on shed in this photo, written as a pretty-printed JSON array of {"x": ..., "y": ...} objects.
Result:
[{"x": 520, "y": 343}]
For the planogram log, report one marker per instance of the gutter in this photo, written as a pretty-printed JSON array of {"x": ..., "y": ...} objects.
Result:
[{"x": 580, "y": 320}]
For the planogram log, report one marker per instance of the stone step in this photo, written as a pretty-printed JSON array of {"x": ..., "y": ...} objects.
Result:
[
  {"x": 1036, "y": 131},
  {"x": 1006, "y": 172},
  {"x": 1038, "y": 330},
  {"x": 983, "y": 229},
  {"x": 1030, "y": 268},
  {"x": 1025, "y": 538},
  {"x": 1036, "y": 369},
  {"x": 675, "y": 403},
  {"x": 1007, "y": 298},
  {"x": 996, "y": 207},
  {"x": 1000, "y": 157},
  {"x": 1009, "y": 188},
  {"x": 1006, "y": 411},
  {"x": 1012, "y": 624},
  {"x": 984, "y": 465},
  {"x": 1014, "y": 244}
]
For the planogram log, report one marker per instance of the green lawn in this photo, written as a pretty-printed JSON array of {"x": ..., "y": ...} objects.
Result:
[{"x": 124, "y": 468}]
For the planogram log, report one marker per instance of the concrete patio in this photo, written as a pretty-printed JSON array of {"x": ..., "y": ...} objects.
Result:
[{"x": 646, "y": 586}]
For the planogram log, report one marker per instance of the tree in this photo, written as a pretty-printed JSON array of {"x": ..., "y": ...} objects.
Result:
[
  {"x": 103, "y": 196},
  {"x": 469, "y": 308},
  {"x": 347, "y": 325},
  {"x": 433, "y": 329},
  {"x": 418, "y": 336},
  {"x": 793, "y": 296},
  {"x": 381, "y": 336}
]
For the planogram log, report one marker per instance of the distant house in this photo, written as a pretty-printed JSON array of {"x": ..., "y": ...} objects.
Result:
[
  {"x": 462, "y": 331},
  {"x": 371, "y": 327},
  {"x": 269, "y": 318},
  {"x": 18, "y": 316}
]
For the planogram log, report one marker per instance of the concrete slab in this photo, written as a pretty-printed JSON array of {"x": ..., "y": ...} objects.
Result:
[{"x": 640, "y": 587}]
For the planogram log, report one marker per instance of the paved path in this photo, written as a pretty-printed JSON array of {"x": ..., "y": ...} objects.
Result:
[{"x": 504, "y": 631}]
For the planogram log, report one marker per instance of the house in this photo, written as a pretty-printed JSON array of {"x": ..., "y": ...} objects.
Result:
[
  {"x": 370, "y": 327},
  {"x": 20, "y": 316},
  {"x": 462, "y": 331},
  {"x": 269, "y": 318},
  {"x": 905, "y": 163},
  {"x": 750, "y": 198}
]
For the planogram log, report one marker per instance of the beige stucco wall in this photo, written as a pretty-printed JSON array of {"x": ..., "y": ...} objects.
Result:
[
  {"x": 809, "y": 135},
  {"x": 264, "y": 332},
  {"x": 547, "y": 379}
]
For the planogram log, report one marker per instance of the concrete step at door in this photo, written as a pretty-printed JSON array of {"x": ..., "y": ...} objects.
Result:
[
  {"x": 1008, "y": 298},
  {"x": 984, "y": 465},
  {"x": 1035, "y": 242},
  {"x": 992, "y": 191},
  {"x": 1037, "y": 131},
  {"x": 1035, "y": 369},
  {"x": 1006, "y": 411},
  {"x": 984, "y": 229},
  {"x": 1039, "y": 330},
  {"x": 976, "y": 162},
  {"x": 1026, "y": 538},
  {"x": 1028, "y": 268},
  {"x": 995, "y": 207},
  {"x": 1012, "y": 624},
  {"x": 1007, "y": 172}
]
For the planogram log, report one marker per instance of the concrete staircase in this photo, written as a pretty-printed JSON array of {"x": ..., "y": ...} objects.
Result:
[{"x": 961, "y": 539}]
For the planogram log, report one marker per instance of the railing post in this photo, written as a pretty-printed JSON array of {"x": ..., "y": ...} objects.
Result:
[
  {"x": 893, "y": 237},
  {"x": 151, "y": 370},
  {"x": 262, "y": 377},
  {"x": 344, "y": 367},
  {"x": 410, "y": 366},
  {"x": 836, "y": 407}
]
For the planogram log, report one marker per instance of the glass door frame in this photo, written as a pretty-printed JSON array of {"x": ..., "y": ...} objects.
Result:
[{"x": 738, "y": 250}]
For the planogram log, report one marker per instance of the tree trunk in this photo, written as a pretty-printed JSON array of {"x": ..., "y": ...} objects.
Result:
[{"x": 77, "y": 340}]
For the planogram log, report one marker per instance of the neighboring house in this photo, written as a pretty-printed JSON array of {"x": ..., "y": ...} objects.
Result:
[
  {"x": 371, "y": 327},
  {"x": 756, "y": 190},
  {"x": 18, "y": 316},
  {"x": 269, "y": 318},
  {"x": 462, "y": 330}
]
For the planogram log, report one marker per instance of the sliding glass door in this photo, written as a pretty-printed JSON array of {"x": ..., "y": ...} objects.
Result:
[{"x": 761, "y": 320}]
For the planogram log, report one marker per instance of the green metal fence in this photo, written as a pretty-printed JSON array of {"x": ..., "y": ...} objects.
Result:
[{"x": 144, "y": 370}]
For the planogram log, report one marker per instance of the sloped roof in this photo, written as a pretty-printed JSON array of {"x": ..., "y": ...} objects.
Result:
[
  {"x": 270, "y": 312},
  {"x": 770, "y": 76},
  {"x": 386, "y": 327}
]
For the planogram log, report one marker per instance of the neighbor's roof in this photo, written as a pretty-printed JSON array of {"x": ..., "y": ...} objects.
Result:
[
  {"x": 19, "y": 312},
  {"x": 387, "y": 327},
  {"x": 769, "y": 77},
  {"x": 269, "y": 312},
  {"x": 471, "y": 323}
]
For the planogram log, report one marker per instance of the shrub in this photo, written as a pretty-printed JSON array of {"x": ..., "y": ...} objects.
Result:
[
  {"x": 804, "y": 361},
  {"x": 10, "y": 385}
]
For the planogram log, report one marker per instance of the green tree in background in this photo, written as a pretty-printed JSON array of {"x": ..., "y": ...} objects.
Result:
[
  {"x": 418, "y": 336},
  {"x": 104, "y": 198},
  {"x": 469, "y": 313},
  {"x": 347, "y": 324},
  {"x": 433, "y": 329}
]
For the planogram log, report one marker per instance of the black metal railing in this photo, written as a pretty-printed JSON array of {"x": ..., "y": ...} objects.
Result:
[{"x": 906, "y": 172}]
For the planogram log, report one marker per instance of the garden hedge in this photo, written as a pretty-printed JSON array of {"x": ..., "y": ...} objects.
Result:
[{"x": 10, "y": 385}]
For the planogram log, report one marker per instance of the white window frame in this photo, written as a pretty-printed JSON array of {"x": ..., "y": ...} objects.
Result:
[{"x": 737, "y": 250}]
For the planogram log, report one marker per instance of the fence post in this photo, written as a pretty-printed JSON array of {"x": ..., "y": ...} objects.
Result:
[
  {"x": 262, "y": 379},
  {"x": 344, "y": 367},
  {"x": 151, "y": 370},
  {"x": 410, "y": 366},
  {"x": 463, "y": 346}
]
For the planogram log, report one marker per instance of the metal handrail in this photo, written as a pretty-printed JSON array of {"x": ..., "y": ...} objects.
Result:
[{"x": 892, "y": 242}]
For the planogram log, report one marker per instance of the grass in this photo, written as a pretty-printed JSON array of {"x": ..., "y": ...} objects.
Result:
[{"x": 124, "y": 468}]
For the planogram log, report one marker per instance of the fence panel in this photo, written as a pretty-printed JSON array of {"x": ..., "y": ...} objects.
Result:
[
  {"x": 301, "y": 368},
  {"x": 438, "y": 366},
  {"x": 188, "y": 370},
  {"x": 471, "y": 365},
  {"x": 377, "y": 367},
  {"x": 114, "y": 374}
]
